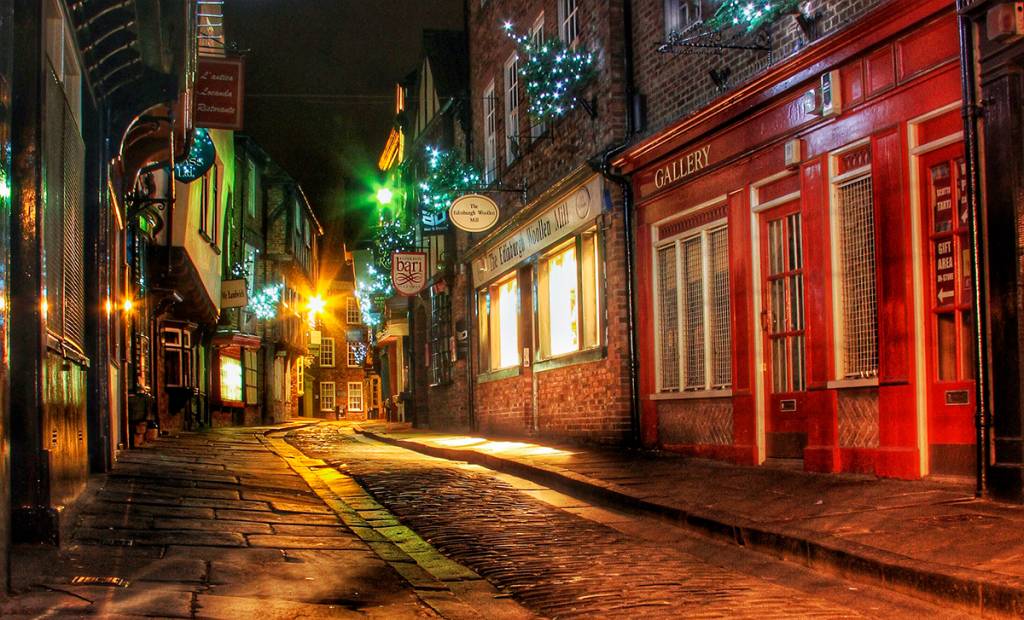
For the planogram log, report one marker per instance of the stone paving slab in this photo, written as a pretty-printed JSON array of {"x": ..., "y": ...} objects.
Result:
[
  {"x": 208, "y": 525},
  {"x": 912, "y": 535}
]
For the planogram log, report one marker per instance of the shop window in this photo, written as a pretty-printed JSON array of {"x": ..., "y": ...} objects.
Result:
[
  {"x": 327, "y": 352},
  {"x": 353, "y": 351},
  {"x": 440, "y": 338},
  {"x": 230, "y": 378},
  {"x": 327, "y": 396},
  {"x": 693, "y": 337},
  {"x": 569, "y": 24},
  {"x": 177, "y": 345},
  {"x": 490, "y": 135},
  {"x": 858, "y": 297},
  {"x": 352, "y": 316},
  {"x": 499, "y": 324},
  {"x": 355, "y": 396},
  {"x": 568, "y": 290},
  {"x": 512, "y": 109},
  {"x": 251, "y": 377},
  {"x": 681, "y": 14}
]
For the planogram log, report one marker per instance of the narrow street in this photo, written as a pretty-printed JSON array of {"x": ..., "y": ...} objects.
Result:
[{"x": 562, "y": 557}]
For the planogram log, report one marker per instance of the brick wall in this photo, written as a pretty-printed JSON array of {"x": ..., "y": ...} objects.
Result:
[
  {"x": 587, "y": 400},
  {"x": 677, "y": 85}
]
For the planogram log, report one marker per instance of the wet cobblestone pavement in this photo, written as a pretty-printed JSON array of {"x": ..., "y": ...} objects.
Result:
[{"x": 557, "y": 563}]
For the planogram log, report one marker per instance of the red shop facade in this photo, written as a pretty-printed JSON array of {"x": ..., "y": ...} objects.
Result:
[{"x": 802, "y": 259}]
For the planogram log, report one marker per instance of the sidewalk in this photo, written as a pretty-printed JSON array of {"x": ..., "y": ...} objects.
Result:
[
  {"x": 915, "y": 536},
  {"x": 207, "y": 525}
]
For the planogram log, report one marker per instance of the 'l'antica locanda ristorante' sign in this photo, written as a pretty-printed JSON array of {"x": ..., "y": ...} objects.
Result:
[{"x": 219, "y": 93}]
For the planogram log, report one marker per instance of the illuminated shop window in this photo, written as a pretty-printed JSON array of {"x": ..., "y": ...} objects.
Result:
[
  {"x": 251, "y": 378},
  {"x": 230, "y": 378},
  {"x": 499, "y": 324},
  {"x": 569, "y": 297},
  {"x": 692, "y": 334}
]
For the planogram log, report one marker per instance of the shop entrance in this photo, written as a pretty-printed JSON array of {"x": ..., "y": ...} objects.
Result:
[
  {"x": 950, "y": 324},
  {"x": 784, "y": 327}
]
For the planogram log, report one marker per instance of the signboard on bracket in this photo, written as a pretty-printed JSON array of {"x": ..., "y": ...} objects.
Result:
[{"x": 409, "y": 272}]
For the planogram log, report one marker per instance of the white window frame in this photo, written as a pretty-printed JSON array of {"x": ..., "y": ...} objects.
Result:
[
  {"x": 537, "y": 128},
  {"x": 300, "y": 377},
  {"x": 350, "y": 355},
  {"x": 837, "y": 181},
  {"x": 352, "y": 314},
  {"x": 511, "y": 98},
  {"x": 327, "y": 351},
  {"x": 490, "y": 134},
  {"x": 355, "y": 396},
  {"x": 569, "y": 22},
  {"x": 681, "y": 14},
  {"x": 703, "y": 232},
  {"x": 326, "y": 397}
]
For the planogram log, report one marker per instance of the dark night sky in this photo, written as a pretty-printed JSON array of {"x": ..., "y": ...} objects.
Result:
[{"x": 355, "y": 48}]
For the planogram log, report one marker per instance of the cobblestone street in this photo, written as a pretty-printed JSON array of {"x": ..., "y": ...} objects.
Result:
[{"x": 564, "y": 558}]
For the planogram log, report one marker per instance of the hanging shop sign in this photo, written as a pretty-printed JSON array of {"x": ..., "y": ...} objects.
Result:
[
  {"x": 473, "y": 213},
  {"x": 409, "y": 272},
  {"x": 219, "y": 92},
  {"x": 233, "y": 294},
  {"x": 574, "y": 210}
]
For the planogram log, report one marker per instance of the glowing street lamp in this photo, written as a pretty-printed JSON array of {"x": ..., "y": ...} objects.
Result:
[
  {"x": 385, "y": 196},
  {"x": 315, "y": 306}
]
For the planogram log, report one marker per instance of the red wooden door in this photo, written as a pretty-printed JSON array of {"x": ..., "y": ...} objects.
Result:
[
  {"x": 950, "y": 333},
  {"x": 784, "y": 326}
]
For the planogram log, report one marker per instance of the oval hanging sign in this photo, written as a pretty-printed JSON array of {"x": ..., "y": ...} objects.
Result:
[{"x": 473, "y": 213}]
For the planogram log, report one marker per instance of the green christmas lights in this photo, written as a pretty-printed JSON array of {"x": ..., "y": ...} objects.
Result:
[
  {"x": 393, "y": 235},
  {"x": 449, "y": 177},
  {"x": 751, "y": 14},
  {"x": 554, "y": 74},
  {"x": 372, "y": 284},
  {"x": 264, "y": 304}
]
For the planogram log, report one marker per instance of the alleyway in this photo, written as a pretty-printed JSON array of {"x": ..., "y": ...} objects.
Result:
[
  {"x": 238, "y": 523},
  {"x": 565, "y": 558}
]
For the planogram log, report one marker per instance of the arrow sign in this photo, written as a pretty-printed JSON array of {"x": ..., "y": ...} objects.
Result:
[{"x": 944, "y": 295}]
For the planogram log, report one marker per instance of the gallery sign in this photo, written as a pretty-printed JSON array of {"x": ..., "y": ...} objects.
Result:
[
  {"x": 234, "y": 294},
  {"x": 219, "y": 92},
  {"x": 569, "y": 214},
  {"x": 473, "y": 213},
  {"x": 409, "y": 272}
]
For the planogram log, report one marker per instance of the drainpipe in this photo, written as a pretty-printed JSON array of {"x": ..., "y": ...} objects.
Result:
[
  {"x": 627, "y": 221},
  {"x": 971, "y": 115}
]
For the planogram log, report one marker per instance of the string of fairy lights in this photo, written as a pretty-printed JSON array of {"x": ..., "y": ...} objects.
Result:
[
  {"x": 553, "y": 73},
  {"x": 751, "y": 14},
  {"x": 448, "y": 178}
]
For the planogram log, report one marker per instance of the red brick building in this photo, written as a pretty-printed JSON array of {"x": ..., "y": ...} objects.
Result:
[
  {"x": 550, "y": 332},
  {"x": 804, "y": 286}
]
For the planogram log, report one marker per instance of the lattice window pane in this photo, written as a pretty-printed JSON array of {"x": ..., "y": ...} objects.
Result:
[
  {"x": 668, "y": 319},
  {"x": 721, "y": 335},
  {"x": 693, "y": 314},
  {"x": 326, "y": 396},
  {"x": 857, "y": 262}
]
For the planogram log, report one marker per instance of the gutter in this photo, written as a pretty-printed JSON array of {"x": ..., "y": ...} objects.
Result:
[
  {"x": 629, "y": 233},
  {"x": 971, "y": 115}
]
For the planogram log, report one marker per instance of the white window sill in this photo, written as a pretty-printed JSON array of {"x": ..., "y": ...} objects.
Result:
[
  {"x": 696, "y": 395},
  {"x": 848, "y": 384}
]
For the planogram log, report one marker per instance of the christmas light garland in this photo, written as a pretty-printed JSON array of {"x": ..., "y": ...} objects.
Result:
[
  {"x": 751, "y": 14},
  {"x": 264, "y": 304},
  {"x": 449, "y": 177},
  {"x": 554, "y": 74},
  {"x": 372, "y": 284},
  {"x": 393, "y": 235}
]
